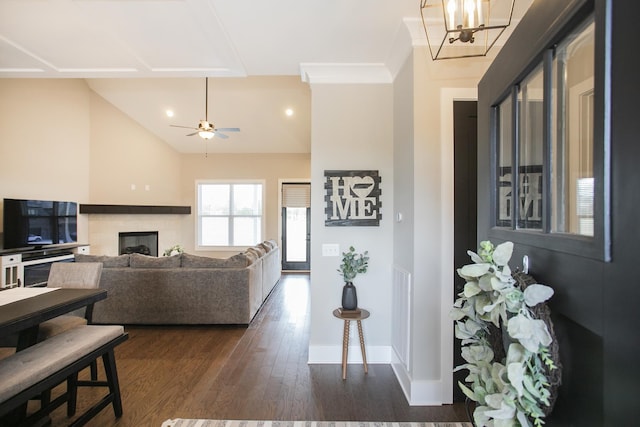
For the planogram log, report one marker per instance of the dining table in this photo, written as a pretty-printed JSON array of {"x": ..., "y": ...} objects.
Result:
[{"x": 22, "y": 309}]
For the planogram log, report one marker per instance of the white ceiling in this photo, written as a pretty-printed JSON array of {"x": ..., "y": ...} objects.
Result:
[{"x": 145, "y": 56}]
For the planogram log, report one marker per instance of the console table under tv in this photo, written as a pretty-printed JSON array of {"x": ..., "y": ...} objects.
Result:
[{"x": 30, "y": 267}]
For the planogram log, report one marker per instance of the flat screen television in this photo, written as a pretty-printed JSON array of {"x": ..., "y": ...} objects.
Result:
[{"x": 36, "y": 223}]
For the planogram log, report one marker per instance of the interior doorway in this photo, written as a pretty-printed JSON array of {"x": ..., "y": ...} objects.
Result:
[
  {"x": 296, "y": 226},
  {"x": 465, "y": 208}
]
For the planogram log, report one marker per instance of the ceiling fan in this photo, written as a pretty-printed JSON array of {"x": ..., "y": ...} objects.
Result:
[{"x": 205, "y": 129}]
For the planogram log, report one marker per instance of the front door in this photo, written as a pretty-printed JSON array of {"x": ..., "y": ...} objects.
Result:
[{"x": 296, "y": 226}]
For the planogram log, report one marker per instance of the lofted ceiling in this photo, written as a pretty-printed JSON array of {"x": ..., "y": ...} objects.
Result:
[{"x": 147, "y": 56}]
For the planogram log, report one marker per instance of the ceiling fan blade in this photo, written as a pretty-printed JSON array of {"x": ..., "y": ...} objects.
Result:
[
  {"x": 191, "y": 134},
  {"x": 220, "y": 135},
  {"x": 229, "y": 129},
  {"x": 186, "y": 127}
]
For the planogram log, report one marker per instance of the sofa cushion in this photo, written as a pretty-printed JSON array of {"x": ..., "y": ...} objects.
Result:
[
  {"x": 145, "y": 261},
  {"x": 195, "y": 261},
  {"x": 106, "y": 260}
]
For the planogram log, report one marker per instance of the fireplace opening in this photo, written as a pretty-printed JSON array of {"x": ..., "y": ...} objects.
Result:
[{"x": 140, "y": 242}]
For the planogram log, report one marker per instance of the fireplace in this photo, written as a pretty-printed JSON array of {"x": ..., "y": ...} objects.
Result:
[{"x": 141, "y": 242}]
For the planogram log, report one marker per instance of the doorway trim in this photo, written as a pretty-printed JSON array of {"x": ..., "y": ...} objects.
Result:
[{"x": 447, "y": 98}]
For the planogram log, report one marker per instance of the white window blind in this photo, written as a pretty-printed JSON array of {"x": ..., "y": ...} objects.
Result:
[{"x": 296, "y": 195}]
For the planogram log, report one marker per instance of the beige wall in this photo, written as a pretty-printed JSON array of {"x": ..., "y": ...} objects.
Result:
[
  {"x": 123, "y": 155},
  {"x": 44, "y": 141}
]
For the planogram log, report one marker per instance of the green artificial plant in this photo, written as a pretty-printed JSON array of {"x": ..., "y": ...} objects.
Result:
[
  {"x": 173, "y": 250},
  {"x": 353, "y": 264},
  {"x": 511, "y": 392}
]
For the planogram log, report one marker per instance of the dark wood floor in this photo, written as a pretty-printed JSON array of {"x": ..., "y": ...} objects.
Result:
[{"x": 259, "y": 373}]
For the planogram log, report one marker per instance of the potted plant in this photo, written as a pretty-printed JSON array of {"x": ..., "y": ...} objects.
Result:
[{"x": 352, "y": 264}]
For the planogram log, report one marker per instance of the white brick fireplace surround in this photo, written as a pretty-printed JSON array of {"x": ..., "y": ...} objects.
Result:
[{"x": 104, "y": 230}]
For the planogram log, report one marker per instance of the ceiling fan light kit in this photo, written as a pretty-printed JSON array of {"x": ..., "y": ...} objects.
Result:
[
  {"x": 206, "y": 134},
  {"x": 205, "y": 129}
]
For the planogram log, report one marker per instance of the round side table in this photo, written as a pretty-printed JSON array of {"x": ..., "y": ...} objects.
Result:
[{"x": 348, "y": 316}]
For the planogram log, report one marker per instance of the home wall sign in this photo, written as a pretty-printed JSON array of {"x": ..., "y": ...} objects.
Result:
[
  {"x": 529, "y": 197},
  {"x": 352, "y": 198}
]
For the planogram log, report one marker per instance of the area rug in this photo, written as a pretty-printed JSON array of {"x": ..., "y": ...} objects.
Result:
[{"x": 180, "y": 422}]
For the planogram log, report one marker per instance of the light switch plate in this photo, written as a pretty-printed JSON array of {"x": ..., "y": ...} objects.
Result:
[{"x": 330, "y": 249}]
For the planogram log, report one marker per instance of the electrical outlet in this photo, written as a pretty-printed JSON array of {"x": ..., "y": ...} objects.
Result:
[{"x": 330, "y": 249}]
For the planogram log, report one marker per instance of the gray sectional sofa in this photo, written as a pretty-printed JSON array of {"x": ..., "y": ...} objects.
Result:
[{"x": 186, "y": 288}]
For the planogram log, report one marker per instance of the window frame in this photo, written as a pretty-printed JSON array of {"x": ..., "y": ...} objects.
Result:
[
  {"x": 598, "y": 245},
  {"x": 198, "y": 222}
]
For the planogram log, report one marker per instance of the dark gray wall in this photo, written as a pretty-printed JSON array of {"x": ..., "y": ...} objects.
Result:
[{"x": 597, "y": 303}]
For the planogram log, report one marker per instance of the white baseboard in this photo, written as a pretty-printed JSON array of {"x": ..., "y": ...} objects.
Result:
[{"x": 417, "y": 393}]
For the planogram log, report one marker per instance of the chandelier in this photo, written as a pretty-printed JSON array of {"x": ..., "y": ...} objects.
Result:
[{"x": 464, "y": 28}]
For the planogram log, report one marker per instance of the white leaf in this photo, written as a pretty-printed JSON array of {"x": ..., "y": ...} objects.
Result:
[
  {"x": 536, "y": 293},
  {"x": 530, "y": 332},
  {"x": 494, "y": 400},
  {"x": 505, "y": 412},
  {"x": 474, "y": 270},
  {"x": 515, "y": 353},
  {"x": 485, "y": 282},
  {"x": 456, "y": 314},
  {"x": 504, "y": 423},
  {"x": 471, "y": 289},
  {"x": 502, "y": 253},
  {"x": 515, "y": 373},
  {"x": 498, "y": 284},
  {"x": 475, "y": 257}
]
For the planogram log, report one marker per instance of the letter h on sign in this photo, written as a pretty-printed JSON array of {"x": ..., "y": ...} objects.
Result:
[{"x": 352, "y": 198}]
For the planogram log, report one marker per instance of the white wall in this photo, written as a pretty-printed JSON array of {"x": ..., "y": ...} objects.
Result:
[{"x": 352, "y": 129}]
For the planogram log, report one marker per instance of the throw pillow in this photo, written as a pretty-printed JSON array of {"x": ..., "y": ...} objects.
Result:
[
  {"x": 263, "y": 245},
  {"x": 146, "y": 261},
  {"x": 237, "y": 261},
  {"x": 251, "y": 256},
  {"x": 107, "y": 261}
]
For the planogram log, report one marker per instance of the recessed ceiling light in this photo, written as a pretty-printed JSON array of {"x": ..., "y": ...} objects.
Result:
[
  {"x": 289, "y": 112},
  {"x": 169, "y": 113}
]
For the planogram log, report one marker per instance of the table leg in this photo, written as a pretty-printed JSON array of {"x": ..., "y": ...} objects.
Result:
[
  {"x": 27, "y": 338},
  {"x": 364, "y": 354},
  {"x": 345, "y": 349}
]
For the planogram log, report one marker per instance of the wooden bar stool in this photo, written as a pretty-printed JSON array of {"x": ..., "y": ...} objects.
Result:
[{"x": 348, "y": 315}]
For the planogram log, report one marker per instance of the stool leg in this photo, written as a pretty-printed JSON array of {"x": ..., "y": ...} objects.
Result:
[
  {"x": 364, "y": 354},
  {"x": 345, "y": 349}
]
